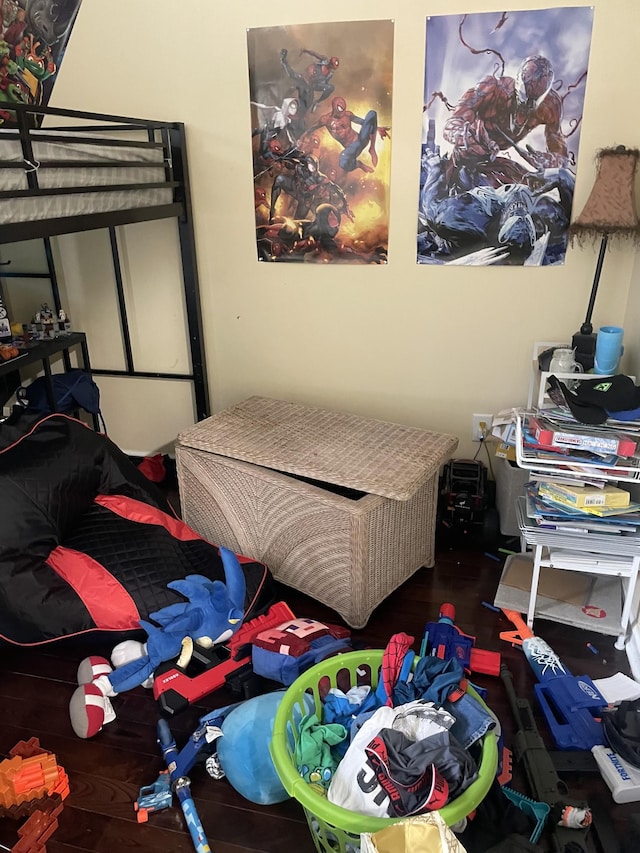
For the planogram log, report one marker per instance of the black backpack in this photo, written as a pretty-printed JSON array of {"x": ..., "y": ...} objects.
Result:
[
  {"x": 72, "y": 390},
  {"x": 622, "y": 729}
]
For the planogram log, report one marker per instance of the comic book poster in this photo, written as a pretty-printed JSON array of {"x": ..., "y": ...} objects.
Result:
[
  {"x": 502, "y": 114},
  {"x": 321, "y": 135},
  {"x": 33, "y": 36}
]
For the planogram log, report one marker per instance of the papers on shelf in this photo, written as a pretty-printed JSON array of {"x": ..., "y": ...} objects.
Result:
[
  {"x": 567, "y": 479},
  {"x": 560, "y": 534},
  {"x": 587, "y": 465}
]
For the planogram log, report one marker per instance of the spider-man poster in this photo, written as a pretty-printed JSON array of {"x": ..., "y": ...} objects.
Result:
[
  {"x": 503, "y": 101},
  {"x": 33, "y": 36},
  {"x": 321, "y": 133}
]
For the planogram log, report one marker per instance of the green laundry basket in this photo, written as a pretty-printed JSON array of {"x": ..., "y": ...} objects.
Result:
[{"x": 334, "y": 828}]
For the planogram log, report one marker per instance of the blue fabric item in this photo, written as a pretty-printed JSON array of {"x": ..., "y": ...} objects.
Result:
[
  {"x": 630, "y": 415},
  {"x": 472, "y": 721},
  {"x": 358, "y": 722},
  {"x": 72, "y": 390},
  {"x": 286, "y": 668},
  {"x": 338, "y": 709},
  {"x": 405, "y": 672},
  {"x": 434, "y": 680}
]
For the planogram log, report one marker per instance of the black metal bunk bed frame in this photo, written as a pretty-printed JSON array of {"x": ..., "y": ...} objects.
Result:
[{"x": 170, "y": 137}]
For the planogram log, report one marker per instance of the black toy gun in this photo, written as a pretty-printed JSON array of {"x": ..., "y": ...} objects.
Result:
[{"x": 544, "y": 783}]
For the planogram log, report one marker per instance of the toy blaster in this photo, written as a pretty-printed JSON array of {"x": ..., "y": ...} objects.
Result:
[
  {"x": 154, "y": 798},
  {"x": 595, "y": 835},
  {"x": 443, "y": 639},
  {"x": 32, "y": 784},
  {"x": 571, "y": 704},
  {"x": 176, "y": 687},
  {"x": 181, "y": 784},
  {"x": 175, "y": 779},
  {"x": 623, "y": 779}
]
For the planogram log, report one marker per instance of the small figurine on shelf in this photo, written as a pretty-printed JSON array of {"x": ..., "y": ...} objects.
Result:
[
  {"x": 46, "y": 314},
  {"x": 63, "y": 326},
  {"x": 47, "y": 325}
]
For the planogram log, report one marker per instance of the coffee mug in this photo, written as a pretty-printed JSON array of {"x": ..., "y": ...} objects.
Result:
[
  {"x": 564, "y": 361},
  {"x": 609, "y": 349}
]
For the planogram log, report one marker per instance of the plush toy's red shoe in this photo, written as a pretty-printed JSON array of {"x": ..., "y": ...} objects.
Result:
[{"x": 90, "y": 709}]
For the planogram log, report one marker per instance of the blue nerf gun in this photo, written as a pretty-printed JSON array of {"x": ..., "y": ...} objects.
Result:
[
  {"x": 153, "y": 798},
  {"x": 174, "y": 779},
  {"x": 182, "y": 786},
  {"x": 443, "y": 639},
  {"x": 571, "y": 704}
]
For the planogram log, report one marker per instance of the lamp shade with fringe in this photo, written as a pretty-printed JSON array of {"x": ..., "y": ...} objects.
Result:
[
  {"x": 610, "y": 213},
  {"x": 611, "y": 206}
]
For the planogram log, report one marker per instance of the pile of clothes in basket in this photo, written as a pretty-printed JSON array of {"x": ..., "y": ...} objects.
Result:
[
  {"x": 406, "y": 737},
  {"x": 408, "y": 747}
]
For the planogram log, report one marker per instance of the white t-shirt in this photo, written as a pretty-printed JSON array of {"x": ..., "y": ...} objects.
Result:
[{"x": 354, "y": 785}]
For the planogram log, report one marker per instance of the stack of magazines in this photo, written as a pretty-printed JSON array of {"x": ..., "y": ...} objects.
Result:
[
  {"x": 580, "y": 474},
  {"x": 549, "y": 440}
]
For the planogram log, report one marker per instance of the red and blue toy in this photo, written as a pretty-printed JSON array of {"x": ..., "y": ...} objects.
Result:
[
  {"x": 283, "y": 652},
  {"x": 443, "y": 639},
  {"x": 176, "y": 687}
]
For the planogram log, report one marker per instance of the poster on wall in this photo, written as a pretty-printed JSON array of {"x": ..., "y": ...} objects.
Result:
[
  {"x": 502, "y": 114},
  {"x": 33, "y": 37},
  {"x": 321, "y": 139}
]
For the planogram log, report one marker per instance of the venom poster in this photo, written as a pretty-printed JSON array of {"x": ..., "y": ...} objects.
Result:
[
  {"x": 321, "y": 140},
  {"x": 502, "y": 114},
  {"x": 33, "y": 37}
]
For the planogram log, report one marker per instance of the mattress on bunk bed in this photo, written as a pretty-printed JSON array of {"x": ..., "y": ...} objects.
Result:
[{"x": 148, "y": 168}]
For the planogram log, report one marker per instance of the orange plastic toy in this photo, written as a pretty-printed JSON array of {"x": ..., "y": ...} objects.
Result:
[{"x": 32, "y": 783}]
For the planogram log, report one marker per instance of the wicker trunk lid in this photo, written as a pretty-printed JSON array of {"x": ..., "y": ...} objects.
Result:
[{"x": 345, "y": 450}]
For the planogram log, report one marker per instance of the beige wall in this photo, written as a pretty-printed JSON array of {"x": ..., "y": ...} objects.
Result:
[{"x": 421, "y": 345}]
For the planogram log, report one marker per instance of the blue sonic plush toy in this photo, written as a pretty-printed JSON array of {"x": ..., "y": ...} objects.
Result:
[{"x": 212, "y": 613}]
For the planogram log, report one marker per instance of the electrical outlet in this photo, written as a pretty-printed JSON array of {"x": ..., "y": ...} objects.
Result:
[{"x": 477, "y": 430}]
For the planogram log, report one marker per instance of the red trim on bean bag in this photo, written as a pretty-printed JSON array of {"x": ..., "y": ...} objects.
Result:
[
  {"x": 141, "y": 512},
  {"x": 110, "y": 605}
]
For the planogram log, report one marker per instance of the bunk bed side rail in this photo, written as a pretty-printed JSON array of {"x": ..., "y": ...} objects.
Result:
[
  {"x": 85, "y": 177},
  {"x": 42, "y": 205}
]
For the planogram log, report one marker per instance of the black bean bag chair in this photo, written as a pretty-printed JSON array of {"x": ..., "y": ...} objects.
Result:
[{"x": 87, "y": 543}]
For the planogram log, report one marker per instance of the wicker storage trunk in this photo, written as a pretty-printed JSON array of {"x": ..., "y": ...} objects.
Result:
[{"x": 339, "y": 507}]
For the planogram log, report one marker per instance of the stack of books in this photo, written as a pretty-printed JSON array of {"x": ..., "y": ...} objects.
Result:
[{"x": 577, "y": 508}]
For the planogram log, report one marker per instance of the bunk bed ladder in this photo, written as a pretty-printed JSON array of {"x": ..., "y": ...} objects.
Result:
[{"x": 178, "y": 163}]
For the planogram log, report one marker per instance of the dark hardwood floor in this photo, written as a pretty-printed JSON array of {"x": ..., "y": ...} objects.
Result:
[{"x": 106, "y": 772}]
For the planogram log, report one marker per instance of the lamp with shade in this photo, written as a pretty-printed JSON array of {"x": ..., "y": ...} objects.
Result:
[{"x": 609, "y": 214}]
